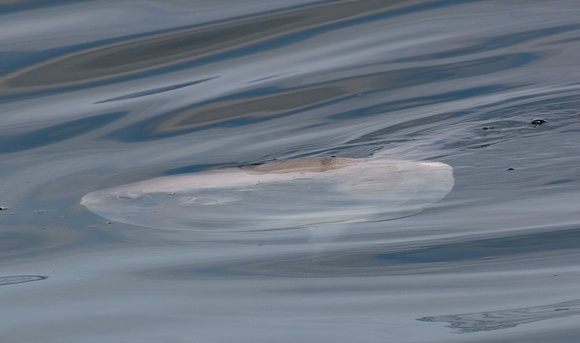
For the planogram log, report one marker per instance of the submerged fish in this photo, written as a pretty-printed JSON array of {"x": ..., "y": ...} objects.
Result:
[{"x": 281, "y": 194}]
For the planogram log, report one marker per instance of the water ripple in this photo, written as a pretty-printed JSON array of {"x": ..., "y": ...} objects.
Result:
[{"x": 15, "y": 279}]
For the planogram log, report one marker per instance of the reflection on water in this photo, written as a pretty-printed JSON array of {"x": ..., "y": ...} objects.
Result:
[
  {"x": 12, "y": 280},
  {"x": 202, "y": 44},
  {"x": 54, "y": 133},
  {"x": 496, "y": 320},
  {"x": 248, "y": 108},
  {"x": 96, "y": 95}
]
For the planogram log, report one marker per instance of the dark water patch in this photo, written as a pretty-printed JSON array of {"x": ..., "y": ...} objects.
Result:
[
  {"x": 420, "y": 102},
  {"x": 404, "y": 259},
  {"x": 249, "y": 108},
  {"x": 155, "y": 91},
  {"x": 537, "y": 243},
  {"x": 246, "y": 108},
  {"x": 161, "y": 51},
  {"x": 55, "y": 133},
  {"x": 146, "y": 55},
  {"x": 13, "y": 60},
  {"x": 12, "y": 6},
  {"x": 497, "y": 42},
  {"x": 33, "y": 241},
  {"x": 504, "y": 319},
  {"x": 409, "y": 129},
  {"x": 136, "y": 55},
  {"x": 558, "y": 182},
  {"x": 197, "y": 168},
  {"x": 15, "y": 279},
  {"x": 230, "y": 111}
]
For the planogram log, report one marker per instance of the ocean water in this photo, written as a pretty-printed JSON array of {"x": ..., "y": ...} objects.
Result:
[{"x": 99, "y": 94}]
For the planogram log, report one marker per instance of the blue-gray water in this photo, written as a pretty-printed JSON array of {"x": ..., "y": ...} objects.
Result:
[{"x": 95, "y": 94}]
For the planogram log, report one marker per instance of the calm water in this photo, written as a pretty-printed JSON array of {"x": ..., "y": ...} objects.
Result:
[{"x": 96, "y": 94}]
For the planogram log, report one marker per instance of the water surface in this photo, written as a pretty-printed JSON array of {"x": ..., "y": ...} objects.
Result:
[{"x": 98, "y": 94}]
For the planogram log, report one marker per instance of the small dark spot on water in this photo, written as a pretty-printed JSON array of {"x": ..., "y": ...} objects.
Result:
[
  {"x": 487, "y": 128},
  {"x": 40, "y": 211},
  {"x": 124, "y": 197},
  {"x": 171, "y": 193},
  {"x": 3, "y": 208},
  {"x": 510, "y": 169},
  {"x": 538, "y": 121},
  {"x": 562, "y": 309},
  {"x": 484, "y": 145},
  {"x": 333, "y": 156},
  {"x": 109, "y": 222}
]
